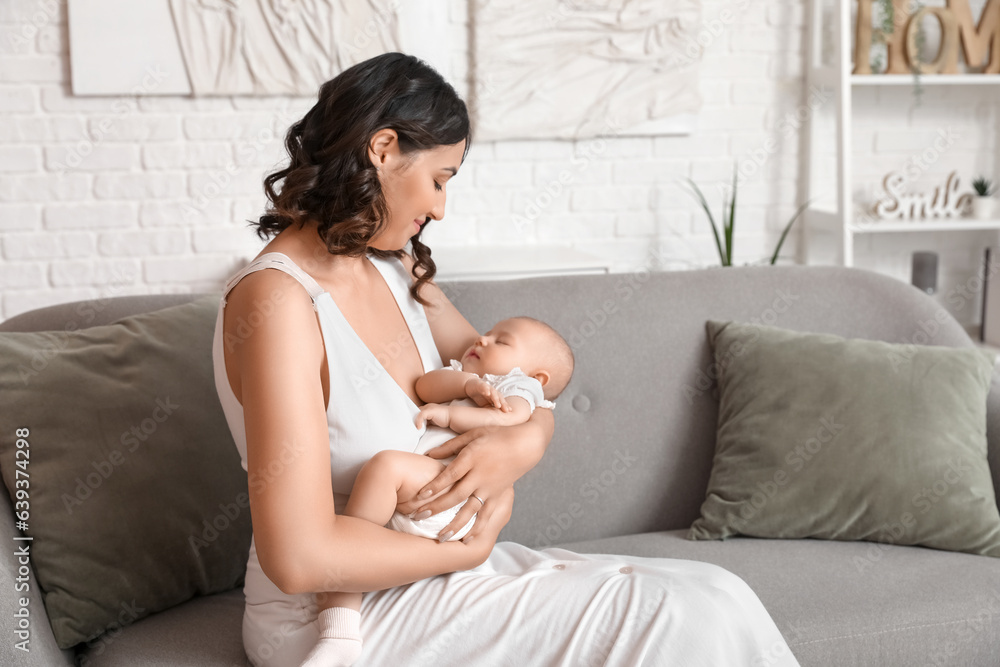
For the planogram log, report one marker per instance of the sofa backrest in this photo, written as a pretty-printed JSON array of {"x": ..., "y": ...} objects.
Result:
[{"x": 635, "y": 429}]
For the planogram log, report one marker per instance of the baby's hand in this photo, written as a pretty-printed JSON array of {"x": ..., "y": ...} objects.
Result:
[
  {"x": 435, "y": 413},
  {"x": 485, "y": 394}
]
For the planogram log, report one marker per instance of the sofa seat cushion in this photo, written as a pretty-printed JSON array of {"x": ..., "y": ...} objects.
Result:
[
  {"x": 204, "y": 631},
  {"x": 852, "y": 603}
]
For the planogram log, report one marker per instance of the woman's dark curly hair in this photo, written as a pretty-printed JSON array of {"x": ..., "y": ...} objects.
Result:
[{"x": 330, "y": 178}]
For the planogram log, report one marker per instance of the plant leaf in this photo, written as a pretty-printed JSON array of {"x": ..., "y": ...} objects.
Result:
[
  {"x": 784, "y": 233},
  {"x": 730, "y": 228},
  {"x": 728, "y": 261},
  {"x": 698, "y": 196}
]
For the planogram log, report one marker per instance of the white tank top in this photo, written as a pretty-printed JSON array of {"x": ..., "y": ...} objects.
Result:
[{"x": 368, "y": 412}]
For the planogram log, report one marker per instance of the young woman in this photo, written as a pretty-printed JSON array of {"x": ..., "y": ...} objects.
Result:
[{"x": 316, "y": 362}]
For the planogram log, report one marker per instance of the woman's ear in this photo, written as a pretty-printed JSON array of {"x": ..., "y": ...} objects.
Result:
[{"x": 383, "y": 147}]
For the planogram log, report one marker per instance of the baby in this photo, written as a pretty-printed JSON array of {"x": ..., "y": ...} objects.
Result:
[{"x": 519, "y": 365}]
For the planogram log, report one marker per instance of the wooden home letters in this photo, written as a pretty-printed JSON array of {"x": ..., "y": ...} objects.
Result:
[{"x": 980, "y": 43}]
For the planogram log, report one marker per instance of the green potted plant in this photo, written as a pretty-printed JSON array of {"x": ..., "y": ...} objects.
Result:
[
  {"x": 884, "y": 18},
  {"x": 724, "y": 237},
  {"x": 887, "y": 23},
  {"x": 982, "y": 203}
]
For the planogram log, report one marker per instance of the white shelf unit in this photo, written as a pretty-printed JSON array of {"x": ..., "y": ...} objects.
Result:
[
  {"x": 934, "y": 79},
  {"x": 831, "y": 225}
]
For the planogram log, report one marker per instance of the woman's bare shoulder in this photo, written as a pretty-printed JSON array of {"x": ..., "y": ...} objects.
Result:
[
  {"x": 267, "y": 308},
  {"x": 268, "y": 283}
]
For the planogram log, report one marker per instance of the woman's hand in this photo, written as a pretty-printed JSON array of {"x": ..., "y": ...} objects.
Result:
[
  {"x": 488, "y": 462},
  {"x": 489, "y": 524}
]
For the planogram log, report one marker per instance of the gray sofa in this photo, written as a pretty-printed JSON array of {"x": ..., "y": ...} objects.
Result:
[{"x": 628, "y": 468}]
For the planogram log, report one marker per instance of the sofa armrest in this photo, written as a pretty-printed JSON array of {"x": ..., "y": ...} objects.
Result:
[{"x": 41, "y": 645}]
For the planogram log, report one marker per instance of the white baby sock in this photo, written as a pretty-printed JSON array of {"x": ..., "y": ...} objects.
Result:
[{"x": 339, "y": 642}]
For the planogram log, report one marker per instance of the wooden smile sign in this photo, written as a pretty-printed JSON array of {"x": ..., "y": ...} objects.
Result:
[
  {"x": 898, "y": 205},
  {"x": 980, "y": 44}
]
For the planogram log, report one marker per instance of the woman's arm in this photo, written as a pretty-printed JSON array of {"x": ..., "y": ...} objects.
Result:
[
  {"x": 303, "y": 546},
  {"x": 485, "y": 459}
]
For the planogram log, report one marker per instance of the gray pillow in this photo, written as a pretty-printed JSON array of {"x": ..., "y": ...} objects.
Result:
[
  {"x": 135, "y": 494},
  {"x": 844, "y": 439}
]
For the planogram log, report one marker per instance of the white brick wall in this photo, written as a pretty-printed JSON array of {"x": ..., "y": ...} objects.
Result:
[{"x": 105, "y": 196}]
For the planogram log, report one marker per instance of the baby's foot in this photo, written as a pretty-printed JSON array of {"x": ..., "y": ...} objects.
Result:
[{"x": 339, "y": 642}]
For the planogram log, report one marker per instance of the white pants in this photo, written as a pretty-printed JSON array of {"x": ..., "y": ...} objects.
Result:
[{"x": 550, "y": 607}]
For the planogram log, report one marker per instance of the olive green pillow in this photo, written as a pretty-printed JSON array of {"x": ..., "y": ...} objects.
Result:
[
  {"x": 136, "y": 500},
  {"x": 845, "y": 439}
]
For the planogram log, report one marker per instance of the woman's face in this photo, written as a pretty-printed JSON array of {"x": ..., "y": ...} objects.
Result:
[{"x": 414, "y": 186}]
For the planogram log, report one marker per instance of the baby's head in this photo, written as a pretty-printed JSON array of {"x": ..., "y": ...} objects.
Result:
[{"x": 530, "y": 344}]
